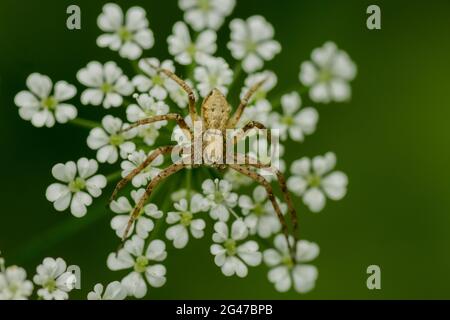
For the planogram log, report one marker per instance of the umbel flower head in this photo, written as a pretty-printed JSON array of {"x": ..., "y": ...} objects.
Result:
[
  {"x": 146, "y": 103},
  {"x": 78, "y": 186},
  {"x": 42, "y": 107},
  {"x": 129, "y": 35},
  {"x": 14, "y": 284},
  {"x": 55, "y": 280}
]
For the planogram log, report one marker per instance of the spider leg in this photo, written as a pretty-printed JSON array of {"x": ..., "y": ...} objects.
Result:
[
  {"x": 122, "y": 183},
  {"x": 170, "y": 170},
  {"x": 244, "y": 102},
  {"x": 283, "y": 186},
  {"x": 164, "y": 117},
  {"x": 249, "y": 126},
  {"x": 262, "y": 181},
  {"x": 182, "y": 84}
]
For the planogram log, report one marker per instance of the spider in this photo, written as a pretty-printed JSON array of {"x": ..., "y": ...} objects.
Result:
[{"x": 216, "y": 116}]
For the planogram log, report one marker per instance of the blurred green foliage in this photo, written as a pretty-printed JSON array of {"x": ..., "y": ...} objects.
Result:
[{"x": 391, "y": 139}]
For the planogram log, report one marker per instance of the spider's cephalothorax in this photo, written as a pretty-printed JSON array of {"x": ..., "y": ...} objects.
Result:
[
  {"x": 215, "y": 119},
  {"x": 215, "y": 111}
]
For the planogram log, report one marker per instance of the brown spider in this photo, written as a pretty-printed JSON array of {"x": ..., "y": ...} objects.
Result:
[{"x": 215, "y": 115}]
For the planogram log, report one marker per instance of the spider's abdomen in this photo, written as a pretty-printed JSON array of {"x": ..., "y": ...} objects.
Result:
[{"x": 215, "y": 111}]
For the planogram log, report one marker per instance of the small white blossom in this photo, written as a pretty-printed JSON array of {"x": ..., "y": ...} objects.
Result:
[
  {"x": 177, "y": 93},
  {"x": 237, "y": 179},
  {"x": 252, "y": 42},
  {"x": 206, "y": 14},
  {"x": 114, "y": 291},
  {"x": 128, "y": 37},
  {"x": 106, "y": 84},
  {"x": 78, "y": 186},
  {"x": 231, "y": 256},
  {"x": 124, "y": 208},
  {"x": 313, "y": 180},
  {"x": 153, "y": 82},
  {"x": 14, "y": 284},
  {"x": 110, "y": 138},
  {"x": 266, "y": 154},
  {"x": 135, "y": 159},
  {"x": 42, "y": 107},
  {"x": 185, "y": 50},
  {"x": 286, "y": 273},
  {"x": 270, "y": 82},
  {"x": 214, "y": 74},
  {"x": 132, "y": 256},
  {"x": 55, "y": 280},
  {"x": 147, "y": 107},
  {"x": 260, "y": 217},
  {"x": 294, "y": 122},
  {"x": 183, "y": 221},
  {"x": 259, "y": 107},
  {"x": 328, "y": 74},
  {"x": 220, "y": 198}
]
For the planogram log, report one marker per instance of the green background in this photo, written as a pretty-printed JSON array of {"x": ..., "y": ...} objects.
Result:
[{"x": 392, "y": 140}]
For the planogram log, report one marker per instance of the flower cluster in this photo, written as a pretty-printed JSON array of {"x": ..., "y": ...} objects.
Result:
[
  {"x": 240, "y": 221},
  {"x": 53, "y": 281}
]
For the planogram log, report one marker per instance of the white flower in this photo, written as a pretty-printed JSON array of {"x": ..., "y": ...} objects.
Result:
[
  {"x": 78, "y": 187},
  {"x": 214, "y": 74},
  {"x": 294, "y": 122},
  {"x": 110, "y": 138},
  {"x": 147, "y": 107},
  {"x": 178, "y": 95},
  {"x": 260, "y": 217},
  {"x": 252, "y": 42},
  {"x": 270, "y": 82},
  {"x": 328, "y": 74},
  {"x": 55, "y": 280},
  {"x": 284, "y": 272},
  {"x": 185, "y": 50},
  {"x": 313, "y": 180},
  {"x": 153, "y": 82},
  {"x": 114, "y": 291},
  {"x": 14, "y": 284},
  {"x": 220, "y": 198},
  {"x": 127, "y": 37},
  {"x": 143, "y": 222},
  {"x": 40, "y": 106},
  {"x": 133, "y": 256},
  {"x": 237, "y": 179},
  {"x": 135, "y": 160},
  {"x": 259, "y": 107},
  {"x": 231, "y": 256},
  {"x": 266, "y": 154},
  {"x": 184, "y": 221},
  {"x": 206, "y": 14},
  {"x": 106, "y": 84}
]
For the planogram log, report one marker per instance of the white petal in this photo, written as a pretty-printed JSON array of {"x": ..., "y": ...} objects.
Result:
[
  {"x": 314, "y": 199},
  {"x": 305, "y": 277},
  {"x": 64, "y": 91},
  {"x": 335, "y": 185},
  {"x": 111, "y": 18},
  {"x": 239, "y": 230},
  {"x": 79, "y": 202},
  {"x": 39, "y": 84},
  {"x": 306, "y": 251}
]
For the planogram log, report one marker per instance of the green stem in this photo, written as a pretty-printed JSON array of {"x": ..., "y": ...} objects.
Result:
[
  {"x": 163, "y": 208},
  {"x": 236, "y": 75},
  {"x": 88, "y": 124},
  {"x": 188, "y": 183}
]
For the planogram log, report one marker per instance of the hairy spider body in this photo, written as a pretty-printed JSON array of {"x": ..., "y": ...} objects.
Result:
[
  {"x": 215, "y": 111},
  {"x": 215, "y": 119}
]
